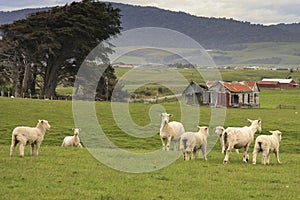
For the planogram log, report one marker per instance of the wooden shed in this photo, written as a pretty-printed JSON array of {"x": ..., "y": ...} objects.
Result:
[
  {"x": 196, "y": 94},
  {"x": 233, "y": 94}
]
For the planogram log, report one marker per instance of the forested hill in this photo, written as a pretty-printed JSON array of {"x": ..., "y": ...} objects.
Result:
[{"x": 209, "y": 32}]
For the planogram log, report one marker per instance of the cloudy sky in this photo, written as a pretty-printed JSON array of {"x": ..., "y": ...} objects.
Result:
[{"x": 254, "y": 11}]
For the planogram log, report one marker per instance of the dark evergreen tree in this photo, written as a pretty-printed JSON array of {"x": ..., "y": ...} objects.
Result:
[{"x": 52, "y": 44}]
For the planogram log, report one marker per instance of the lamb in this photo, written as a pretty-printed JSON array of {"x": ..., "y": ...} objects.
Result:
[
  {"x": 219, "y": 131},
  {"x": 190, "y": 142},
  {"x": 72, "y": 140},
  {"x": 170, "y": 131},
  {"x": 267, "y": 144},
  {"x": 28, "y": 135}
]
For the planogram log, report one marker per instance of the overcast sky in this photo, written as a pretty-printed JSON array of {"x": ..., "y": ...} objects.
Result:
[{"x": 254, "y": 11}]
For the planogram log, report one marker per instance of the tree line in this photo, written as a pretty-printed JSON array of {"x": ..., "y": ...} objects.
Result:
[{"x": 47, "y": 48}]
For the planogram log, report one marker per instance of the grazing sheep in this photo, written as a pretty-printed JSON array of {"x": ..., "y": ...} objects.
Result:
[
  {"x": 267, "y": 144},
  {"x": 190, "y": 142},
  {"x": 72, "y": 141},
  {"x": 170, "y": 131},
  {"x": 219, "y": 131},
  {"x": 239, "y": 137},
  {"x": 27, "y": 135}
]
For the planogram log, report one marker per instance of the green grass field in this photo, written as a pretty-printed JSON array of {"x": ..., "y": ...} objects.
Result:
[
  {"x": 193, "y": 75},
  {"x": 71, "y": 173},
  {"x": 268, "y": 54},
  {"x": 263, "y": 53}
]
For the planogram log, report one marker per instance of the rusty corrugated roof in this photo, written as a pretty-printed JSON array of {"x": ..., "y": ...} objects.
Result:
[
  {"x": 237, "y": 87},
  {"x": 250, "y": 83}
]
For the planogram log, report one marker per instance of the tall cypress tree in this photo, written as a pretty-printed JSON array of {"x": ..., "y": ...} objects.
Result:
[{"x": 58, "y": 40}]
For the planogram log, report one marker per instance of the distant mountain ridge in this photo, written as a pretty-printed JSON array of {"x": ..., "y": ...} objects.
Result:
[
  {"x": 7, "y": 17},
  {"x": 218, "y": 33}
]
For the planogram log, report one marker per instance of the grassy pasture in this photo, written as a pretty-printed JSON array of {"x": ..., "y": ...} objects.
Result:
[
  {"x": 192, "y": 74},
  {"x": 255, "y": 53},
  {"x": 229, "y": 75},
  {"x": 261, "y": 53},
  {"x": 69, "y": 173}
]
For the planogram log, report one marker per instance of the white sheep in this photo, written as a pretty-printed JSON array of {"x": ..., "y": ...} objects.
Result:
[
  {"x": 240, "y": 137},
  {"x": 219, "y": 131},
  {"x": 28, "y": 135},
  {"x": 190, "y": 142},
  {"x": 170, "y": 131},
  {"x": 72, "y": 140},
  {"x": 267, "y": 144}
]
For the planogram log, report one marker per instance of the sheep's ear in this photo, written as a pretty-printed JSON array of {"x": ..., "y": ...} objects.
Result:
[
  {"x": 271, "y": 132},
  {"x": 250, "y": 120},
  {"x": 198, "y": 126},
  {"x": 279, "y": 132},
  {"x": 170, "y": 115}
]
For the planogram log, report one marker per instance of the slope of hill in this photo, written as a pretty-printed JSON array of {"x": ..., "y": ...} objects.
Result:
[
  {"x": 7, "y": 17},
  {"x": 226, "y": 35},
  {"x": 209, "y": 32}
]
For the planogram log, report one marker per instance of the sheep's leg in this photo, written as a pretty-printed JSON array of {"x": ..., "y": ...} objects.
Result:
[
  {"x": 227, "y": 152},
  {"x": 264, "y": 157},
  {"x": 268, "y": 158},
  {"x": 32, "y": 149},
  {"x": 168, "y": 143},
  {"x": 37, "y": 148},
  {"x": 255, "y": 152},
  {"x": 22, "y": 147},
  {"x": 176, "y": 144},
  {"x": 184, "y": 156},
  {"x": 237, "y": 151},
  {"x": 203, "y": 150},
  {"x": 193, "y": 154},
  {"x": 163, "y": 143},
  {"x": 187, "y": 155},
  {"x": 277, "y": 156},
  {"x": 80, "y": 145},
  {"x": 224, "y": 149},
  {"x": 12, "y": 148},
  {"x": 246, "y": 154}
]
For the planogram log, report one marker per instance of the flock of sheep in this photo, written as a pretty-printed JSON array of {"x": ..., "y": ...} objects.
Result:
[
  {"x": 190, "y": 142},
  {"x": 34, "y": 137},
  {"x": 230, "y": 138}
]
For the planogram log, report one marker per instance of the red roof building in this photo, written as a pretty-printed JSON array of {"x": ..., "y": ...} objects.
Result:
[
  {"x": 234, "y": 94},
  {"x": 277, "y": 83}
]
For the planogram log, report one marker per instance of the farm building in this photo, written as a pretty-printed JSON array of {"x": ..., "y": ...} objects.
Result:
[
  {"x": 277, "y": 83},
  {"x": 234, "y": 94},
  {"x": 196, "y": 94},
  {"x": 223, "y": 94}
]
